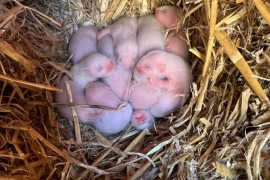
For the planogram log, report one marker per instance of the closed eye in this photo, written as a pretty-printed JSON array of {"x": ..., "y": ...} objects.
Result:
[
  {"x": 163, "y": 78},
  {"x": 147, "y": 66}
]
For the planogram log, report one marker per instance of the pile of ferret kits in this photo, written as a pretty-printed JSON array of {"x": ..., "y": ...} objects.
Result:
[{"x": 131, "y": 71}]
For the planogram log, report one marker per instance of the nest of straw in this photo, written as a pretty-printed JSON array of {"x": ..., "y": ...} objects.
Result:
[{"x": 222, "y": 131}]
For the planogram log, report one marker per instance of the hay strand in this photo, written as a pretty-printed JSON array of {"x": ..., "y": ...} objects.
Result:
[
  {"x": 112, "y": 8},
  {"x": 119, "y": 9},
  {"x": 7, "y": 49},
  {"x": 263, "y": 10},
  {"x": 241, "y": 64},
  {"x": 29, "y": 84},
  {"x": 211, "y": 39},
  {"x": 74, "y": 114},
  {"x": 136, "y": 141}
]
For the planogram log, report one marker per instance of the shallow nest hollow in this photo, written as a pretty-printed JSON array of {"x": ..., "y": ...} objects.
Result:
[{"x": 222, "y": 131}]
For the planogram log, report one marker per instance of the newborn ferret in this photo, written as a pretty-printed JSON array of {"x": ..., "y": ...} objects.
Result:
[
  {"x": 170, "y": 77},
  {"x": 165, "y": 71},
  {"x": 82, "y": 43},
  {"x": 105, "y": 46},
  {"x": 142, "y": 93},
  {"x": 120, "y": 79},
  {"x": 113, "y": 121},
  {"x": 171, "y": 17},
  {"x": 92, "y": 67},
  {"x": 123, "y": 33},
  {"x": 89, "y": 69},
  {"x": 176, "y": 45},
  {"x": 151, "y": 34}
]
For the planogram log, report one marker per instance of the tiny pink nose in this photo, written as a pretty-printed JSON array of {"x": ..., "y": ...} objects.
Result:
[
  {"x": 110, "y": 67},
  {"x": 139, "y": 69}
]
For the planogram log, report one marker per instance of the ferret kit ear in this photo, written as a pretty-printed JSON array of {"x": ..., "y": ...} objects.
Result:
[{"x": 174, "y": 20}]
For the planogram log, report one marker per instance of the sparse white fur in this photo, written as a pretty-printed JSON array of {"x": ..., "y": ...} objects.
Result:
[
  {"x": 123, "y": 32},
  {"x": 82, "y": 43},
  {"x": 151, "y": 35},
  {"x": 119, "y": 81},
  {"x": 94, "y": 66},
  {"x": 113, "y": 121}
]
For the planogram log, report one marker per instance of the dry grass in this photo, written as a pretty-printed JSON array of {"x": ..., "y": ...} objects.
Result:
[{"x": 221, "y": 133}]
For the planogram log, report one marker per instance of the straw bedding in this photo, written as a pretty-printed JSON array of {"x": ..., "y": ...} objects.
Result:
[{"x": 222, "y": 132}]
